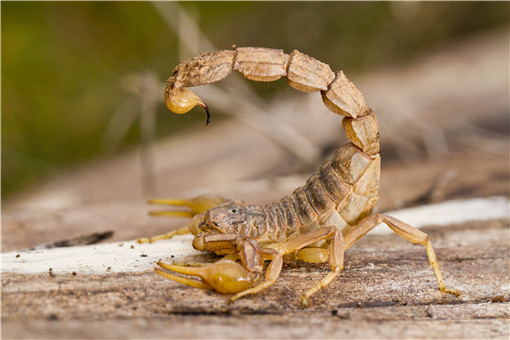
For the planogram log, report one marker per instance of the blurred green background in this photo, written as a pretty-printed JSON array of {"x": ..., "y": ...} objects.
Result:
[{"x": 64, "y": 64}]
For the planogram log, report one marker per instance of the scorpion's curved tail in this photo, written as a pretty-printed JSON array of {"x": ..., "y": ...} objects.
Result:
[{"x": 303, "y": 73}]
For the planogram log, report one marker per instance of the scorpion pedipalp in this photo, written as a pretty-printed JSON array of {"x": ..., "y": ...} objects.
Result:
[
  {"x": 224, "y": 276},
  {"x": 196, "y": 206}
]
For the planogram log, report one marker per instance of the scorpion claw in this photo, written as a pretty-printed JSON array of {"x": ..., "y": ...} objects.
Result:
[
  {"x": 196, "y": 205},
  {"x": 185, "y": 280},
  {"x": 224, "y": 276}
]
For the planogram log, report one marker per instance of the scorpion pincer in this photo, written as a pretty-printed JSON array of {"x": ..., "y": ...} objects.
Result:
[{"x": 319, "y": 221}]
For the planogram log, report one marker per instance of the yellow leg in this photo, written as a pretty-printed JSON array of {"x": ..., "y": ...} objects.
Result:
[
  {"x": 275, "y": 254},
  {"x": 272, "y": 274},
  {"x": 167, "y": 236},
  {"x": 336, "y": 260},
  {"x": 335, "y": 256},
  {"x": 406, "y": 231}
]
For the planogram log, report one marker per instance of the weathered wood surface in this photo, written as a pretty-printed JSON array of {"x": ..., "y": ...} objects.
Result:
[{"x": 387, "y": 289}]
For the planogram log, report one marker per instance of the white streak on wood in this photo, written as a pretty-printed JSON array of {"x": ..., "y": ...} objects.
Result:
[
  {"x": 99, "y": 258},
  {"x": 121, "y": 257}
]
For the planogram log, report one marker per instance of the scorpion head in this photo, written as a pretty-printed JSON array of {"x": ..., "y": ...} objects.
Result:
[{"x": 229, "y": 219}]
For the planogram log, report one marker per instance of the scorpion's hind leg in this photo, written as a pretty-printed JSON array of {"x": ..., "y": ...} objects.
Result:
[
  {"x": 195, "y": 206},
  {"x": 406, "y": 231}
]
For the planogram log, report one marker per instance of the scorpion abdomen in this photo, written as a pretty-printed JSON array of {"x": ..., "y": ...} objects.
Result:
[{"x": 347, "y": 183}]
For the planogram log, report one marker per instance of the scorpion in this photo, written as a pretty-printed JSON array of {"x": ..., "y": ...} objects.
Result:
[{"x": 319, "y": 221}]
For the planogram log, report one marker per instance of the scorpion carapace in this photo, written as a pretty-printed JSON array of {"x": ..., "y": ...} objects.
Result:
[{"x": 319, "y": 221}]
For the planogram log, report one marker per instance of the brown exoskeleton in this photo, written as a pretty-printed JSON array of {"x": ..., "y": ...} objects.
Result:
[{"x": 319, "y": 221}]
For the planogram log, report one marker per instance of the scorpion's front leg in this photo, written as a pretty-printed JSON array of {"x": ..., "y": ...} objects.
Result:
[{"x": 195, "y": 206}]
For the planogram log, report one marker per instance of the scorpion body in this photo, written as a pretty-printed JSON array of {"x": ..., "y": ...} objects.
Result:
[
  {"x": 331, "y": 196},
  {"x": 319, "y": 220}
]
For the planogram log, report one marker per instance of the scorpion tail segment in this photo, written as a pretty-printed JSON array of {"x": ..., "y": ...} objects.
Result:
[
  {"x": 363, "y": 132},
  {"x": 196, "y": 205},
  {"x": 343, "y": 98},
  {"x": 224, "y": 276}
]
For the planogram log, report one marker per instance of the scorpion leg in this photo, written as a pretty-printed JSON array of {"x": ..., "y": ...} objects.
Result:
[
  {"x": 276, "y": 251},
  {"x": 336, "y": 254},
  {"x": 272, "y": 273},
  {"x": 406, "y": 231},
  {"x": 167, "y": 236},
  {"x": 336, "y": 261}
]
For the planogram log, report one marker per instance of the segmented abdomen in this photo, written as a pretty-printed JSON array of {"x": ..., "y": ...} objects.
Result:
[{"x": 348, "y": 183}]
